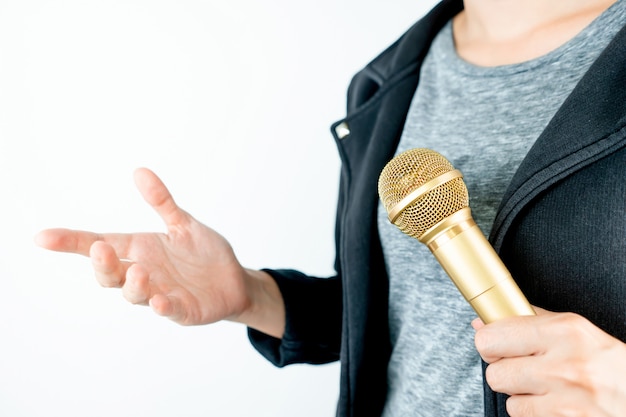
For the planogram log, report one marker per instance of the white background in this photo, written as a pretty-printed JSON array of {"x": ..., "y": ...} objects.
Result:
[{"x": 230, "y": 102}]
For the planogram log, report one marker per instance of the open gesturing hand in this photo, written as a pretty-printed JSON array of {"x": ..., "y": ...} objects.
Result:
[{"x": 189, "y": 274}]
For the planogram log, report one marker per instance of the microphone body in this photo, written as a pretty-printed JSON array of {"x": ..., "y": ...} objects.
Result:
[
  {"x": 430, "y": 203},
  {"x": 475, "y": 268}
]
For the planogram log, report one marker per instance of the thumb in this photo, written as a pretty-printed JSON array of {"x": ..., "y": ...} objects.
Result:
[{"x": 157, "y": 195}]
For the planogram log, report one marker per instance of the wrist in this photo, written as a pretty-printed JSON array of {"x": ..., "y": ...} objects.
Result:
[{"x": 265, "y": 310}]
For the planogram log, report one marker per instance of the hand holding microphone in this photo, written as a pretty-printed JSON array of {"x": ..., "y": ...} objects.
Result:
[{"x": 427, "y": 199}]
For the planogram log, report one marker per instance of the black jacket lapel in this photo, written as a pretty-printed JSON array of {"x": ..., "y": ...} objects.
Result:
[{"x": 585, "y": 129}]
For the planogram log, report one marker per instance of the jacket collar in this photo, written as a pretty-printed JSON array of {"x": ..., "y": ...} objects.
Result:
[{"x": 411, "y": 49}]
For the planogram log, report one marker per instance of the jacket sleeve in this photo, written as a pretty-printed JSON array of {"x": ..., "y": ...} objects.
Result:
[{"x": 313, "y": 321}]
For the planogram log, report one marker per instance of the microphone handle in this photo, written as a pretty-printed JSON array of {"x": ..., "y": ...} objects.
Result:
[{"x": 475, "y": 268}]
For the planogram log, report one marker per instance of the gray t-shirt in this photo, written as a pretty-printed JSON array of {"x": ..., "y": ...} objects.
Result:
[{"x": 483, "y": 120}]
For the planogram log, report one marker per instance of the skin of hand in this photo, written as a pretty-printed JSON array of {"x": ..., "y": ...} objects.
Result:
[
  {"x": 554, "y": 364},
  {"x": 189, "y": 274}
]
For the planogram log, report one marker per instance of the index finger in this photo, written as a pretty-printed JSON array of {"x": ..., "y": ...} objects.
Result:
[
  {"x": 512, "y": 337},
  {"x": 80, "y": 241}
]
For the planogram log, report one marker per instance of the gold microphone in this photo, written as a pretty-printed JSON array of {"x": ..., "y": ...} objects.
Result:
[{"x": 427, "y": 199}]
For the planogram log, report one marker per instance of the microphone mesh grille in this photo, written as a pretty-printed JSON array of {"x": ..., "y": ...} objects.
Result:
[{"x": 407, "y": 172}]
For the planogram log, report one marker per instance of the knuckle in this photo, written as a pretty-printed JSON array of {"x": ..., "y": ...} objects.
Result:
[
  {"x": 571, "y": 318},
  {"x": 574, "y": 325},
  {"x": 574, "y": 330},
  {"x": 574, "y": 373}
]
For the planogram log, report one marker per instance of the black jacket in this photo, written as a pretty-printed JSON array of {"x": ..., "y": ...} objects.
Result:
[{"x": 561, "y": 226}]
